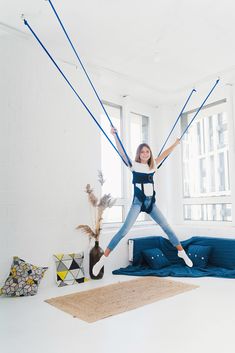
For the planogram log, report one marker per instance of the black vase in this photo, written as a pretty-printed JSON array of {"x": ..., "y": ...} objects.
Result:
[{"x": 95, "y": 254}]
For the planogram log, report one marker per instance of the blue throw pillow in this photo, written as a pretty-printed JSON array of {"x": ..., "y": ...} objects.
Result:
[
  {"x": 155, "y": 258},
  {"x": 199, "y": 255}
]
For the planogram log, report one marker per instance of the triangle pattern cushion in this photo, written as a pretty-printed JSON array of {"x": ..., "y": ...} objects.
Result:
[{"x": 69, "y": 268}]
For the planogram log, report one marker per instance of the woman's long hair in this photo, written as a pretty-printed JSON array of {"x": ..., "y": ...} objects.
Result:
[{"x": 137, "y": 156}]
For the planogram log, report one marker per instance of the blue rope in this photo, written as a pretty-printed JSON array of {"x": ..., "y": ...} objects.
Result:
[
  {"x": 217, "y": 81},
  {"x": 70, "y": 42},
  {"x": 80, "y": 99},
  {"x": 176, "y": 121}
]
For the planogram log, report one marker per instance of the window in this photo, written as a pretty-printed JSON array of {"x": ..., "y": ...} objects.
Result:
[
  {"x": 208, "y": 212},
  {"x": 139, "y": 133},
  {"x": 116, "y": 176},
  {"x": 205, "y": 156},
  {"x": 111, "y": 164}
]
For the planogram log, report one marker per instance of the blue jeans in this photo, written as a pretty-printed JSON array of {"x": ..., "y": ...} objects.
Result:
[{"x": 133, "y": 213}]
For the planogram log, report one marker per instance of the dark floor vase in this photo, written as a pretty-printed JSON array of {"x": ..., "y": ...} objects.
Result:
[{"x": 95, "y": 254}]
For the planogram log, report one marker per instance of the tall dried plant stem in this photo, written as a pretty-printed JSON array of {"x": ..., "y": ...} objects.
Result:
[
  {"x": 99, "y": 220},
  {"x": 93, "y": 215}
]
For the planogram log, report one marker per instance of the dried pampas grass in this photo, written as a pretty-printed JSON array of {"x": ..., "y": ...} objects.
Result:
[{"x": 99, "y": 206}]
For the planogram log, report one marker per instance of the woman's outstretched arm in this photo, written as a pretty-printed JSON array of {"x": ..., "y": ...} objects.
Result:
[
  {"x": 166, "y": 153},
  {"x": 119, "y": 147}
]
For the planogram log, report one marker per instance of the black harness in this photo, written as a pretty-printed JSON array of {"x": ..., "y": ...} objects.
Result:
[{"x": 143, "y": 178}]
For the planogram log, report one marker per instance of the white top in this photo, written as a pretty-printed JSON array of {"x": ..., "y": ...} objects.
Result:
[{"x": 143, "y": 168}]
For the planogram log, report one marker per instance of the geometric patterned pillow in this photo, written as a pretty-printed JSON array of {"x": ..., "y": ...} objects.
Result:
[
  {"x": 69, "y": 269},
  {"x": 23, "y": 279}
]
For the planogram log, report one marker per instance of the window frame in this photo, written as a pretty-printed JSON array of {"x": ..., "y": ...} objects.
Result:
[
  {"x": 120, "y": 200},
  {"x": 223, "y": 198},
  {"x": 126, "y": 187}
]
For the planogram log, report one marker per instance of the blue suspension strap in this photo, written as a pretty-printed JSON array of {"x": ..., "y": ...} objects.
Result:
[
  {"x": 176, "y": 121},
  {"x": 79, "y": 60},
  {"x": 68, "y": 82},
  {"x": 217, "y": 81}
]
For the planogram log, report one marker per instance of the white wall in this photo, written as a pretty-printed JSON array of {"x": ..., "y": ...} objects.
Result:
[{"x": 50, "y": 149}]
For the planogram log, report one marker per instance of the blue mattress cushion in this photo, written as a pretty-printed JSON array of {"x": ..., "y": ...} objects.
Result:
[
  {"x": 220, "y": 260},
  {"x": 155, "y": 258},
  {"x": 199, "y": 254}
]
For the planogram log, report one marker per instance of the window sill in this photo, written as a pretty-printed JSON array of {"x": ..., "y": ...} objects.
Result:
[
  {"x": 209, "y": 224},
  {"x": 138, "y": 225}
]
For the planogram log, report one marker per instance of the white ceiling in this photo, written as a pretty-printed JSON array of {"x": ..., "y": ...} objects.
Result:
[{"x": 163, "y": 45}]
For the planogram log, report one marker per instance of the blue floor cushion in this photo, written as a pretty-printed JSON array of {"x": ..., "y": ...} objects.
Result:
[
  {"x": 155, "y": 258},
  {"x": 199, "y": 254}
]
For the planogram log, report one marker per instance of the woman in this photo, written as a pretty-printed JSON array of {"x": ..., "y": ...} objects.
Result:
[{"x": 143, "y": 169}]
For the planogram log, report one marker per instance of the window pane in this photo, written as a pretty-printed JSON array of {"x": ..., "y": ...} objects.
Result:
[
  {"x": 211, "y": 136},
  {"x": 139, "y": 128},
  {"x": 202, "y": 173},
  {"x": 211, "y": 212},
  {"x": 111, "y": 163},
  {"x": 221, "y": 172},
  {"x": 205, "y": 156},
  {"x": 208, "y": 212},
  {"x": 227, "y": 212},
  {"x": 222, "y": 130},
  {"x": 138, "y": 131},
  {"x": 113, "y": 214},
  {"x": 212, "y": 174},
  {"x": 145, "y": 124}
]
